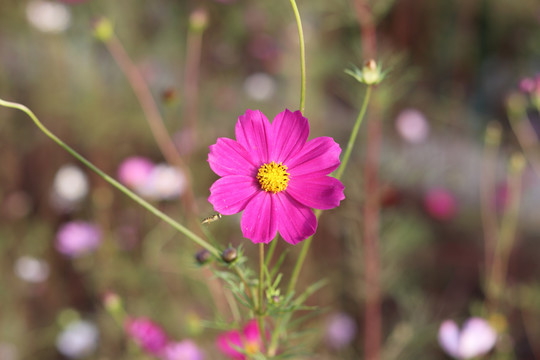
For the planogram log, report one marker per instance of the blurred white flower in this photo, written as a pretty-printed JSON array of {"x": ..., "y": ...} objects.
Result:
[
  {"x": 70, "y": 186},
  {"x": 48, "y": 16},
  {"x": 412, "y": 126},
  {"x": 260, "y": 86},
  {"x": 476, "y": 338},
  {"x": 8, "y": 352},
  {"x": 164, "y": 183},
  {"x": 79, "y": 339},
  {"x": 340, "y": 330},
  {"x": 31, "y": 269}
]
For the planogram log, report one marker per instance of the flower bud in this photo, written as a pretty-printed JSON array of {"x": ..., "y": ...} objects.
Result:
[
  {"x": 229, "y": 255},
  {"x": 370, "y": 74},
  {"x": 198, "y": 20},
  {"x": 202, "y": 257},
  {"x": 103, "y": 29}
]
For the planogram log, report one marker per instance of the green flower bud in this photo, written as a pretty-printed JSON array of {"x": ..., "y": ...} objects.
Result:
[{"x": 229, "y": 255}]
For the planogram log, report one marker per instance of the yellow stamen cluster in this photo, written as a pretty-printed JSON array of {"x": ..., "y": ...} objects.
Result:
[
  {"x": 273, "y": 177},
  {"x": 251, "y": 348}
]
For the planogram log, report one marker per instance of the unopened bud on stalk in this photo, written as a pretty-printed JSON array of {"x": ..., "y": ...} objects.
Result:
[
  {"x": 493, "y": 134},
  {"x": 198, "y": 20},
  {"x": 370, "y": 74},
  {"x": 112, "y": 302},
  {"x": 516, "y": 104},
  {"x": 202, "y": 257},
  {"x": 517, "y": 163},
  {"x": 229, "y": 255},
  {"x": 103, "y": 29}
]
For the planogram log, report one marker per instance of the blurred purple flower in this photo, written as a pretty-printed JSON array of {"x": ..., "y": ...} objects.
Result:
[
  {"x": 340, "y": 331},
  {"x": 76, "y": 238},
  {"x": 412, "y": 126},
  {"x": 249, "y": 340},
  {"x": 183, "y": 350},
  {"x": 135, "y": 171},
  {"x": 476, "y": 338},
  {"x": 150, "y": 336},
  {"x": 440, "y": 204}
]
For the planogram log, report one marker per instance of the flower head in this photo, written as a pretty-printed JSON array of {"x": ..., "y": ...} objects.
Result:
[
  {"x": 273, "y": 174},
  {"x": 249, "y": 341},
  {"x": 150, "y": 336},
  {"x": 76, "y": 238},
  {"x": 340, "y": 331},
  {"x": 135, "y": 171},
  {"x": 440, "y": 204},
  {"x": 78, "y": 340},
  {"x": 183, "y": 350},
  {"x": 476, "y": 338}
]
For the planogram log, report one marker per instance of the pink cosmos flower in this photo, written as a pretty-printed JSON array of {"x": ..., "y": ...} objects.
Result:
[
  {"x": 183, "y": 350},
  {"x": 440, "y": 204},
  {"x": 150, "y": 336},
  {"x": 249, "y": 340},
  {"x": 135, "y": 171},
  {"x": 273, "y": 174},
  {"x": 76, "y": 238},
  {"x": 476, "y": 338}
]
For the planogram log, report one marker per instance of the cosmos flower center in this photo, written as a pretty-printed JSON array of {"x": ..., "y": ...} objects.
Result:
[
  {"x": 251, "y": 348},
  {"x": 273, "y": 177}
]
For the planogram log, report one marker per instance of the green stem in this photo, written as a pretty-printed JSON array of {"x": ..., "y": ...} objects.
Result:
[
  {"x": 354, "y": 133},
  {"x": 302, "y": 56},
  {"x": 307, "y": 243},
  {"x": 270, "y": 252},
  {"x": 112, "y": 181},
  {"x": 260, "y": 310}
]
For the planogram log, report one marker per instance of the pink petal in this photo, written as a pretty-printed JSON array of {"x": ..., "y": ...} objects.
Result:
[
  {"x": 323, "y": 192},
  {"x": 290, "y": 132},
  {"x": 228, "y": 157},
  {"x": 296, "y": 222},
  {"x": 251, "y": 332},
  {"x": 259, "y": 223},
  {"x": 320, "y": 156},
  {"x": 254, "y": 133},
  {"x": 231, "y": 194},
  {"x": 477, "y": 338},
  {"x": 449, "y": 338},
  {"x": 227, "y": 342}
]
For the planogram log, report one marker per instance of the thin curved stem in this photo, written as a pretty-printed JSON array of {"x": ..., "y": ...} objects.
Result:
[
  {"x": 302, "y": 56},
  {"x": 354, "y": 133},
  {"x": 214, "y": 251}
]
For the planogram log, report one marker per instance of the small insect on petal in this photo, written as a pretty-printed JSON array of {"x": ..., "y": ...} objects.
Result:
[{"x": 212, "y": 218}]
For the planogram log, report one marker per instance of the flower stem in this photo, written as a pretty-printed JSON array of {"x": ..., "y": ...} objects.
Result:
[
  {"x": 341, "y": 169},
  {"x": 214, "y": 251},
  {"x": 260, "y": 310},
  {"x": 302, "y": 56},
  {"x": 354, "y": 133},
  {"x": 151, "y": 113}
]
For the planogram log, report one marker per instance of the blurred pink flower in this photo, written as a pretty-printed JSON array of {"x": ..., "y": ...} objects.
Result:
[
  {"x": 135, "y": 171},
  {"x": 340, "y": 331},
  {"x": 412, "y": 126},
  {"x": 183, "y": 350},
  {"x": 440, "y": 204},
  {"x": 273, "y": 174},
  {"x": 527, "y": 85},
  {"x": 249, "y": 340},
  {"x": 476, "y": 338},
  {"x": 76, "y": 238},
  {"x": 150, "y": 336}
]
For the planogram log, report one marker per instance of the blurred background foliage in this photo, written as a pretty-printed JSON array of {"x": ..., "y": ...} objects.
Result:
[{"x": 453, "y": 61}]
